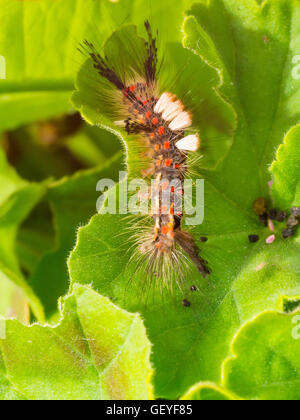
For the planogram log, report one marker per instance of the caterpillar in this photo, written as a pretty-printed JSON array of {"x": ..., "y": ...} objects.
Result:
[{"x": 159, "y": 120}]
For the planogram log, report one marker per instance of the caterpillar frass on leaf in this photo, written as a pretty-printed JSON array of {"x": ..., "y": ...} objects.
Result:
[{"x": 157, "y": 126}]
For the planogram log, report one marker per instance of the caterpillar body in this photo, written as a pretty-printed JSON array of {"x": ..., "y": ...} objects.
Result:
[{"x": 160, "y": 120}]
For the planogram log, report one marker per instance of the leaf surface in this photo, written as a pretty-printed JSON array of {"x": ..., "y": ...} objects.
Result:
[
  {"x": 265, "y": 365},
  {"x": 97, "y": 351}
]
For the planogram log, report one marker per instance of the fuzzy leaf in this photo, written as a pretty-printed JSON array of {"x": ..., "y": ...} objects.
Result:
[
  {"x": 208, "y": 392},
  {"x": 97, "y": 351},
  {"x": 265, "y": 365},
  {"x": 17, "y": 200},
  {"x": 45, "y": 35},
  {"x": 286, "y": 171},
  {"x": 73, "y": 201},
  {"x": 7, "y": 390}
]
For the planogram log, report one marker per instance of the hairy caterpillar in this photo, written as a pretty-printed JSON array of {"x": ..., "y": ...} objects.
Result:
[{"x": 159, "y": 120}]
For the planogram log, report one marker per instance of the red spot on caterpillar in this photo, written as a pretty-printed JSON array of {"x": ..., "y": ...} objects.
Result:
[
  {"x": 172, "y": 211},
  {"x": 168, "y": 162},
  {"x": 164, "y": 230},
  {"x": 167, "y": 145},
  {"x": 172, "y": 189},
  {"x": 176, "y": 166},
  {"x": 161, "y": 131},
  {"x": 152, "y": 135},
  {"x": 145, "y": 102},
  {"x": 132, "y": 88},
  {"x": 155, "y": 121},
  {"x": 148, "y": 115},
  {"x": 156, "y": 147}
]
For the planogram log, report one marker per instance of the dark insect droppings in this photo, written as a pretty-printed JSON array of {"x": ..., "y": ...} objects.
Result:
[
  {"x": 203, "y": 239},
  {"x": 287, "y": 233},
  {"x": 264, "y": 219},
  {"x": 295, "y": 211},
  {"x": 273, "y": 214},
  {"x": 253, "y": 238},
  {"x": 292, "y": 222},
  {"x": 281, "y": 216},
  {"x": 186, "y": 303}
]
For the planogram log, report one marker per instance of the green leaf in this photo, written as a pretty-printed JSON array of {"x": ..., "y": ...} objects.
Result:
[
  {"x": 33, "y": 249},
  {"x": 17, "y": 200},
  {"x": 97, "y": 351},
  {"x": 265, "y": 363},
  {"x": 73, "y": 202},
  {"x": 247, "y": 38},
  {"x": 208, "y": 392},
  {"x": 236, "y": 291},
  {"x": 10, "y": 181},
  {"x": 286, "y": 171},
  {"x": 13, "y": 301},
  {"x": 25, "y": 107},
  {"x": 40, "y": 68},
  {"x": 7, "y": 390},
  {"x": 235, "y": 41},
  {"x": 35, "y": 237}
]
